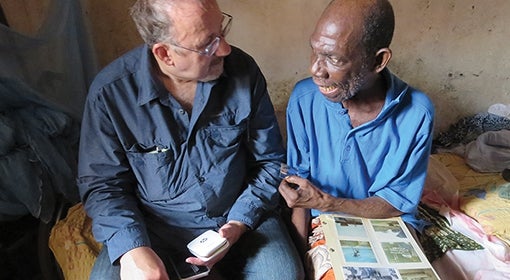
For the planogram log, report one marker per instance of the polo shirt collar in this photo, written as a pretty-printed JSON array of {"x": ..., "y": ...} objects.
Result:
[{"x": 397, "y": 88}]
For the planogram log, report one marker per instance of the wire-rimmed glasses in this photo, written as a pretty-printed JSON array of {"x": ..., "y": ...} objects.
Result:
[{"x": 213, "y": 46}]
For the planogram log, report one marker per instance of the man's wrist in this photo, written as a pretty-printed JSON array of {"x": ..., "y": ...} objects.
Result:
[
  {"x": 239, "y": 224},
  {"x": 332, "y": 204}
]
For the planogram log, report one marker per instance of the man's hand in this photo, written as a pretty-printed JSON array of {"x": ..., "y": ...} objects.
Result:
[
  {"x": 306, "y": 195},
  {"x": 142, "y": 263},
  {"x": 232, "y": 231},
  {"x": 309, "y": 196}
]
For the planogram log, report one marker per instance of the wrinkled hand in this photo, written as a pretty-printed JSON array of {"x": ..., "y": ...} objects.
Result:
[
  {"x": 307, "y": 195},
  {"x": 232, "y": 231},
  {"x": 142, "y": 263}
]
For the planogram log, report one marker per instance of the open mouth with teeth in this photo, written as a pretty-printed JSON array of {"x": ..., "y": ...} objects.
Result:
[{"x": 328, "y": 89}]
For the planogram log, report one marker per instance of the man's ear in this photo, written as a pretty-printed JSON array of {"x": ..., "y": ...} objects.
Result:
[
  {"x": 162, "y": 54},
  {"x": 382, "y": 58}
]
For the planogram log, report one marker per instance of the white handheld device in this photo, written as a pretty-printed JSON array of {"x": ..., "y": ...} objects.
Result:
[{"x": 207, "y": 245}]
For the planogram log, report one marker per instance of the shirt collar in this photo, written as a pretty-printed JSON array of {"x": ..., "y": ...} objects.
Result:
[
  {"x": 149, "y": 87},
  {"x": 397, "y": 89}
]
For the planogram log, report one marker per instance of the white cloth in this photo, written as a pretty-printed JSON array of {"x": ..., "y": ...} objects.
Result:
[
  {"x": 499, "y": 109},
  {"x": 490, "y": 152}
]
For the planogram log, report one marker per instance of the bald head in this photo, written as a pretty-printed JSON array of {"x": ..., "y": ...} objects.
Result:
[{"x": 372, "y": 21}]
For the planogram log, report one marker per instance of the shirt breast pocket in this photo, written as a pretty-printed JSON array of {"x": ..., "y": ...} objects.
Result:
[
  {"x": 154, "y": 171},
  {"x": 225, "y": 136},
  {"x": 222, "y": 144}
]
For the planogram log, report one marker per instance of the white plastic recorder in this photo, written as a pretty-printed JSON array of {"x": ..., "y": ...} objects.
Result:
[{"x": 207, "y": 245}]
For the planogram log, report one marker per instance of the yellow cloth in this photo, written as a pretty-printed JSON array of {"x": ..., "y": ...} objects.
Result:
[
  {"x": 490, "y": 208},
  {"x": 73, "y": 245},
  {"x": 466, "y": 176},
  {"x": 483, "y": 196}
]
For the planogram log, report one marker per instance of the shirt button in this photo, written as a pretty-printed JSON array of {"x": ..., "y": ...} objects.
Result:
[
  {"x": 182, "y": 112},
  {"x": 347, "y": 148},
  {"x": 201, "y": 179}
]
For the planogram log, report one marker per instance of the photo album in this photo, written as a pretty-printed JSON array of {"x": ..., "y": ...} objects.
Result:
[{"x": 362, "y": 248}]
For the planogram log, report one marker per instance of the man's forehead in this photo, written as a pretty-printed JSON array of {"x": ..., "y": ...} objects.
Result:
[{"x": 334, "y": 31}]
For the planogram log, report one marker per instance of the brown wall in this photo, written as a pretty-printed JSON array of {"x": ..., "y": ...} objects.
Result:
[
  {"x": 455, "y": 50},
  {"x": 25, "y": 15},
  {"x": 112, "y": 28}
]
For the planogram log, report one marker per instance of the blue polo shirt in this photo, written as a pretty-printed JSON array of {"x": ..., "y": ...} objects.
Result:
[
  {"x": 386, "y": 157},
  {"x": 150, "y": 174}
]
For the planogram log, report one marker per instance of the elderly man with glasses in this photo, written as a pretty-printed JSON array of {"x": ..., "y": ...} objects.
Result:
[{"x": 179, "y": 136}]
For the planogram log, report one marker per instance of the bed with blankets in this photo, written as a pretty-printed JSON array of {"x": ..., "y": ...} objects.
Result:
[{"x": 466, "y": 201}]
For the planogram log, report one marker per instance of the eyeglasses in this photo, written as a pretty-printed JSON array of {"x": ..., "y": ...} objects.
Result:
[{"x": 213, "y": 46}]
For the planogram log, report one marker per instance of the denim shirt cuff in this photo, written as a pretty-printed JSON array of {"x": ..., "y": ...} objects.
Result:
[
  {"x": 250, "y": 216},
  {"x": 126, "y": 240}
]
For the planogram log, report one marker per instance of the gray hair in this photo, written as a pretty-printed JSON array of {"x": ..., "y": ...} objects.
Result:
[{"x": 152, "y": 20}]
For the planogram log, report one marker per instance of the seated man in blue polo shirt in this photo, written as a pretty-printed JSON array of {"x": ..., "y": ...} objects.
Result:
[{"x": 358, "y": 136}]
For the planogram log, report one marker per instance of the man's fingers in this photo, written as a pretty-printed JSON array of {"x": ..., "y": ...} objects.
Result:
[
  {"x": 292, "y": 179},
  {"x": 285, "y": 188},
  {"x": 288, "y": 193}
]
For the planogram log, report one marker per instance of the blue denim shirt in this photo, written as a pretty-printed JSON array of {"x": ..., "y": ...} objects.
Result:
[{"x": 149, "y": 171}]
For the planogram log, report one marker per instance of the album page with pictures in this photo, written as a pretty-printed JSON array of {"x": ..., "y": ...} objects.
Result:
[{"x": 374, "y": 249}]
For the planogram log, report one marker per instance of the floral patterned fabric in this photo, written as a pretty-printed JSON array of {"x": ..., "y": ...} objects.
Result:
[{"x": 438, "y": 237}]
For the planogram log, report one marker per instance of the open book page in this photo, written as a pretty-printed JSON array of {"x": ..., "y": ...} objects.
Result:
[{"x": 374, "y": 249}]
